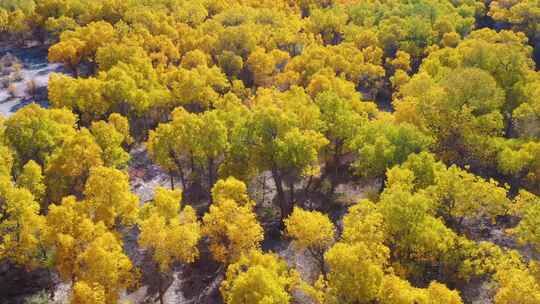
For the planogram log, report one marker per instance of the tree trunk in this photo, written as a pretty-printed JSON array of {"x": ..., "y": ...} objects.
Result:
[
  {"x": 291, "y": 192},
  {"x": 319, "y": 258},
  {"x": 263, "y": 189},
  {"x": 210, "y": 177},
  {"x": 161, "y": 288},
  {"x": 308, "y": 185},
  {"x": 171, "y": 179},
  {"x": 180, "y": 170},
  {"x": 182, "y": 179},
  {"x": 161, "y": 292},
  {"x": 283, "y": 204},
  {"x": 335, "y": 166}
]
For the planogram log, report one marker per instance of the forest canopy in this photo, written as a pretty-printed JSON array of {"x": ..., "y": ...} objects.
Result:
[{"x": 308, "y": 151}]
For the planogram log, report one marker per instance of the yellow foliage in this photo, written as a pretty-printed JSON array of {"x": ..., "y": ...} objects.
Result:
[
  {"x": 108, "y": 197},
  {"x": 170, "y": 234},
  {"x": 232, "y": 189},
  {"x": 31, "y": 178},
  {"x": 21, "y": 226},
  {"x": 258, "y": 278},
  {"x": 310, "y": 230},
  {"x": 232, "y": 230},
  {"x": 87, "y": 294},
  {"x": 355, "y": 274}
]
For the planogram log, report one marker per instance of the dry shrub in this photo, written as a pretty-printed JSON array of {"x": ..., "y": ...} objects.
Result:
[
  {"x": 31, "y": 88},
  {"x": 12, "y": 90}
]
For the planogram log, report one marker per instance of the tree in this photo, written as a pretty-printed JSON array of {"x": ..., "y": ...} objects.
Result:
[
  {"x": 527, "y": 207},
  {"x": 31, "y": 178},
  {"x": 381, "y": 144},
  {"x": 170, "y": 234},
  {"x": 6, "y": 161},
  {"x": 521, "y": 163},
  {"x": 522, "y": 15},
  {"x": 69, "y": 167},
  {"x": 463, "y": 195},
  {"x": 232, "y": 230},
  {"x": 472, "y": 85},
  {"x": 355, "y": 275},
  {"x": 517, "y": 286},
  {"x": 342, "y": 121},
  {"x": 413, "y": 229},
  {"x": 361, "y": 67},
  {"x": 161, "y": 144},
  {"x": 363, "y": 223},
  {"x": 87, "y": 294},
  {"x": 232, "y": 227},
  {"x": 395, "y": 290},
  {"x": 4, "y": 20},
  {"x": 81, "y": 44},
  {"x": 311, "y": 231},
  {"x": 84, "y": 96},
  {"x": 85, "y": 251},
  {"x": 121, "y": 124},
  {"x": 211, "y": 152},
  {"x": 257, "y": 278},
  {"x": 68, "y": 232},
  {"x": 439, "y": 293},
  {"x": 35, "y": 133},
  {"x": 183, "y": 144},
  {"x": 134, "y": 88},
  {"x": 198, "y": 87},
  {"x": 230, "y": 63},
  {"x": 399, "y": 291},
  {"x": 232, "y": 189},
  {"x": 329, "y": 23},
  {"x": 108, "y": 198},
  {"x": 263, "y": 66},
  {"x": 20, "y": 226},
  {"x": 284, "y": 138},
  {"x": 110, "y": 140},
  {"x": 103, "y": 261}
]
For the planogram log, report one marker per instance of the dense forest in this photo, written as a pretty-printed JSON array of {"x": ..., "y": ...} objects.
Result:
[{"x": 310, "y": 151}]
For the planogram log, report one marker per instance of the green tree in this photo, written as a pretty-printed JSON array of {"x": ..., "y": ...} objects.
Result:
[
  {"x": 381, "y": 144},
  {"x": 35, "y": 133}
]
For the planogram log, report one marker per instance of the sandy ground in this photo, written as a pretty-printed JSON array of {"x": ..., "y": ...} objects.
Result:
[{"x": 34, "y": 67}]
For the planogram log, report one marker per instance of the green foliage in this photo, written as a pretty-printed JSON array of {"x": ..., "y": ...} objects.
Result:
[
  {"x": 35, "y": 133},
  {"x": 381, "y": 144}
]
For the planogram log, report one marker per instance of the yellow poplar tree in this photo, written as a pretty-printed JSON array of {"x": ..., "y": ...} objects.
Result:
[
  {"x": 84, "y": 293},
  {"x": 169, "y": 233},
  {"x": 108, "y": 197},
  {"x": 21, "y": 226},
  {"x": 68, "y": 168},
  {"x": 104, "y": 262},
  {"x": 31, "y": 178},
  {"x": 258, "y": 278},
  {"x": 311, "y": 231},
  {"x": 232, "y": 230}
]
